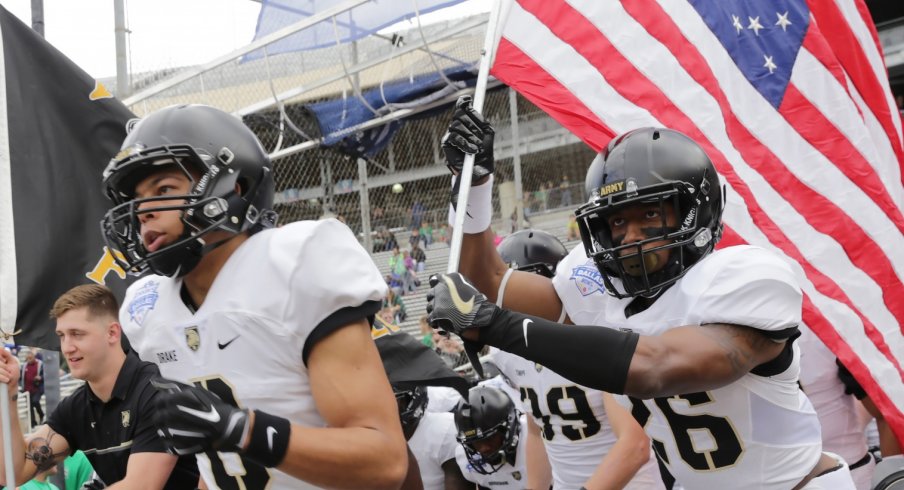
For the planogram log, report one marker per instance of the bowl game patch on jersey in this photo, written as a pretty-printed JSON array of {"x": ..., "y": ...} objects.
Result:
[
  {"x": 145, "y": 300},
  {"x": 588, "y": 279}
]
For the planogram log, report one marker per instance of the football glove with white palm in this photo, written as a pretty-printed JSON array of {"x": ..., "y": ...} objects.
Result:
[{"x": 193, "y": 420}]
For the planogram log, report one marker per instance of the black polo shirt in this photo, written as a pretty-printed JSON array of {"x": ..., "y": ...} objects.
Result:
[{"x": 109, "y": 432}]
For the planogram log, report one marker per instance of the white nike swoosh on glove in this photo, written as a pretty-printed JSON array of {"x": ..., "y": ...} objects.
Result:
[
  {"x": 211, "y": 416},
  {"x": 524, "y": 328}
]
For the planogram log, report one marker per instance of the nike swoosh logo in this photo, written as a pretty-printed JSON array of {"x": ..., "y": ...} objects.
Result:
[
  {"x": 225, "y": 345},
  {"x": 211, "y": 415},
  {"x": 524, "y": 328},
  {"x": 271, "y": 431},
  {"x": 465, "y": 307}
]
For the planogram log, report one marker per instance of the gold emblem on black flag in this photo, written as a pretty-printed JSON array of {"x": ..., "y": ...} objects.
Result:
[{"x": 193, "y": 338}]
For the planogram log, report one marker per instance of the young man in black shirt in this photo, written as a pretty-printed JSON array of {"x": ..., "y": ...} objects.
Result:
[{"x": 109, "y": 416}]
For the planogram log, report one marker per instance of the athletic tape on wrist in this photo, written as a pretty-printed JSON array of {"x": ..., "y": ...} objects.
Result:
[
  {"x": 479, "y": 208},
  {"x": 269, "y": 439}
]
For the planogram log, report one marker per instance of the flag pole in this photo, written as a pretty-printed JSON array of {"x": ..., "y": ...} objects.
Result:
[
  {"x": 464, "y": 190},
  {"x": 7, "y": 440}
]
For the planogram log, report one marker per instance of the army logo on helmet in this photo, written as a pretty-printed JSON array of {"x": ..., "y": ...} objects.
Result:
[{"x": 193, "y": 338}]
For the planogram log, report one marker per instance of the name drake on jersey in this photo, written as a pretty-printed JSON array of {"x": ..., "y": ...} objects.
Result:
[{"x": 167, "y": 356}]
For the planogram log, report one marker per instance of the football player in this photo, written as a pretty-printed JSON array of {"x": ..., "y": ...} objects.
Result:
[
  {"x": 265, "y": 330},
  {"x": 839, "y": 414},
  {"x": 491, "y": 437},
  {"x": 431, "y": 438},
  {"x": 701, "y": 342},
  {"x": 582, "y": 435}
]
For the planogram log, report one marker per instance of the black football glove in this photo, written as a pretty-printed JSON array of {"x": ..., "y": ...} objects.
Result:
[
  {"x": 469, "y": 133},
  {"x": 454, "y": 305},
  {"x": 193, "y": 420},
  {"x": 851, "y": 385},
  {"x": 93, "y": 484}
]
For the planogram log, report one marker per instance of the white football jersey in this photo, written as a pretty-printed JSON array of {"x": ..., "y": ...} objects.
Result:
[
  {"x": 843, "y": 428},
  {"x": 572, "y": 421},
  {"x": 433, "y": 443},
  {"x": 508, "y": 476},
  {"x": 278, "y": 293},
  {"x": 758, "y": 432},
  {"x": 442, "y": 398}
]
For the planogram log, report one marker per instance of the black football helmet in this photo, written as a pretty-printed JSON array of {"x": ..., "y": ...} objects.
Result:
[
  {"x": 533, "y": 251},
  {"x": 217, "y": 153},
  {"x": 412, "y": 406},
  {"x": 651, "y": 165},
  {"x": 488, "y": 413}
]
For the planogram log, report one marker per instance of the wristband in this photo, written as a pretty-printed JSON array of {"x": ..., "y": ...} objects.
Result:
[
  {"x": 479, "y": 211},
  {"x": 269, "y": 439}
]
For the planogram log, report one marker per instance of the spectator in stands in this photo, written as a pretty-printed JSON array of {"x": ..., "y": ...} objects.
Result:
[
  {"x": 31, "y": 380},
  {"x": 394, "y": 283},
  {"x": 417, "y": 215},
  {"x": 443, "y": 234},
  {"x": 426, "y": 233},
  {"x": 411, "y": 273},
  {"x": 541, "y": 196},
  {"x": 415, "y": 239},
  {"x": 394, "y": 303},
  {"x": 420, "y": 259},
  {"x": 565, "y": 192},
  {"x": 397, "y": 270},
  {"x": 426, "y": 332},
  {"x": 573, "y": 231},
  {"x": 389, "y": 240}
]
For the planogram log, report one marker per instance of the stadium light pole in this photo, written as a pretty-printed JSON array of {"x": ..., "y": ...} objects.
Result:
[{"x": 122, "y": 60}]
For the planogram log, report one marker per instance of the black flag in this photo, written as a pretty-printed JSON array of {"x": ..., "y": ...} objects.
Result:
[
  {"x": 58, "y": 129},
  {"x": 410, "y": 363}
]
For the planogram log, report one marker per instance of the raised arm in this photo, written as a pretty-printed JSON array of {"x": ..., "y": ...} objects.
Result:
[
  {"x": 470, "y": 133},
  {"x": 686, "y": 359}
]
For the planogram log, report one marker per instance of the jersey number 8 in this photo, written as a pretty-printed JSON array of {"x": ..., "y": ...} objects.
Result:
[{"x": 248, "y": 474}]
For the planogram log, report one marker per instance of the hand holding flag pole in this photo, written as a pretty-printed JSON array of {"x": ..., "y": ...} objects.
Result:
[{"x": 486, "y": 57}]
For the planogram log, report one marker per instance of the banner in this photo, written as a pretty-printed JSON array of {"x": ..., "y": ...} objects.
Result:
[{"x": 58, "y": 129}]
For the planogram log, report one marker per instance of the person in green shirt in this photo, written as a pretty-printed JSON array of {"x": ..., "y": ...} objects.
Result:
[
  {"x": 77, "y": 470},
  {"x": 426, "y": 232},
  {"x": 40, "y": 481}
]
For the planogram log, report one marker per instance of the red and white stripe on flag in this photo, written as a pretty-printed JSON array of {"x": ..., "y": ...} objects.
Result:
[{"x": 790, "y": 98}]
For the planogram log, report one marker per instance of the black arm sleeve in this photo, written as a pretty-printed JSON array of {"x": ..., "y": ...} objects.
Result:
[{"x": 596, "y": 357}]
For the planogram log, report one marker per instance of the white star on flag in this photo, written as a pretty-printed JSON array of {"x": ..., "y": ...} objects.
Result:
[
  {"x": 755, "y": 25},
  {"x": 736, "y": 22},
  {"x": 769, "y": 65},
  {"x": 783, "y": 21}
]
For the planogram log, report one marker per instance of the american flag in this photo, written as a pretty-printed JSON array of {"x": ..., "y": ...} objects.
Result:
[{"x": 790, "y": 99}]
